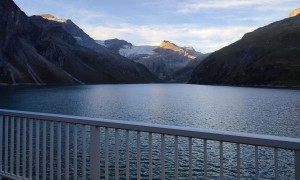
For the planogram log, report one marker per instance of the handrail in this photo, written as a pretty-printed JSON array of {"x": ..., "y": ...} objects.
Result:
[{"x": 217, "y": 135}]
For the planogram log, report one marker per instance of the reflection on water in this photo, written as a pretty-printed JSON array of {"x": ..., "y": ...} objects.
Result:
[{"x": 254, "y": 110}]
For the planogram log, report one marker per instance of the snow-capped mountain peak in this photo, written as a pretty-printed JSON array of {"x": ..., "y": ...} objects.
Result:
[{"x": 162, "y": 60}]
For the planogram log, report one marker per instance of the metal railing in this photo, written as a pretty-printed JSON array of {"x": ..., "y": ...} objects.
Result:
[{"x": 50, "y": 146}]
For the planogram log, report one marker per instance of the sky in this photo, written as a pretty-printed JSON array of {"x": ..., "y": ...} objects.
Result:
[{"x": 207, "y": 25}]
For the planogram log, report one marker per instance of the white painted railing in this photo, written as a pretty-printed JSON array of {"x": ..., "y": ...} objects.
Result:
[{"x": 50, "y": 146}]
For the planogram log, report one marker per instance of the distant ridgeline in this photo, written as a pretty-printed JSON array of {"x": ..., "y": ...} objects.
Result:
[{"x": 268, "y": 56}]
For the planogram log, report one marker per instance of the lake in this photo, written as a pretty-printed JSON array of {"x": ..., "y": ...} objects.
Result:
[{"x": 241, "y": 109}]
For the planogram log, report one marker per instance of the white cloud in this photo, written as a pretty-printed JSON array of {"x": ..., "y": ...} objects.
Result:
[
  {"x": 192, "y": 6},
  {"x": 204, "y": 39}
]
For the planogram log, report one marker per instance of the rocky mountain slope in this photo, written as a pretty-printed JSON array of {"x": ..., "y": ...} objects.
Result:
[
  {"x": 164, "y": 60},
  {"x": 268, "y": 56},
  {"x": 185, "y": 73},
  {"x": 34, "y": 50},
  {"x": 121, "y": 67}
]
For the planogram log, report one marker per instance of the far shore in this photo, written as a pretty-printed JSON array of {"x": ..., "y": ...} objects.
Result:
[{"x": 269, "y": 86}]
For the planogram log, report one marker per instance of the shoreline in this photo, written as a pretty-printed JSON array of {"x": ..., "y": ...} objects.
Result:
[
  {"x": 253, "y": 86},
  {"x": 229, "y": 85}
]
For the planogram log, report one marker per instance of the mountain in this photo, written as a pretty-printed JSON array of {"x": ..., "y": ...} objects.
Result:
[
  {"x": 184, "y": 74},
  {"x": 78, "y": 34},
  {"x": 268, "y": 56},
  {"x": 114, "y": 44},
  {"x": 294, "y": 12},
  {"x": 123, "y": 68},
  {"x": 34, "y": 50},
  {"x": 163, "y": 60}
]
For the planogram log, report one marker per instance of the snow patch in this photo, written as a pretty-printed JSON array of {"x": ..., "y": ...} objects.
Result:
[
  {"x": 78, "y": 38},
  {"x": 102, "y": 43},
  {"x": 137, "y": 50},
  {"x": 58, "y": 20}
]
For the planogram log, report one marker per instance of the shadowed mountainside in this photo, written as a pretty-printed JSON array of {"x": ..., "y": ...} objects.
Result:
[
  {"x": 268, "y": 56},
  {"x": 38, "y": 51}
]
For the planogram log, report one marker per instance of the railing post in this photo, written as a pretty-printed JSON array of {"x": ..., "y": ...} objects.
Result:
[
  {"x": 67, "y": 151},
  {"x": 1, "y": 141},
  {"x": 95, "y": 153},
  {"x": 297, "y": 164}
]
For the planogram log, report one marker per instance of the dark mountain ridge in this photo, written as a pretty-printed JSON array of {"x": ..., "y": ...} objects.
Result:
[
  {"x": 127, "y": 70},
  {"x": 268, "y": 56},
  {"x": 38, "y": 51}
]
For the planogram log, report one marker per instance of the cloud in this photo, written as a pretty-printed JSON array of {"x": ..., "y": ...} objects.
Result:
[
  {"x": 193, "y": 6},
  {"x": 204, "y": 39}
]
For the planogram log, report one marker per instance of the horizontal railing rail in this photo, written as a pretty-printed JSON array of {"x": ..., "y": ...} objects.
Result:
[
  {"x": 225, "y": 136},
  {"x": 13, "y": 134}
]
